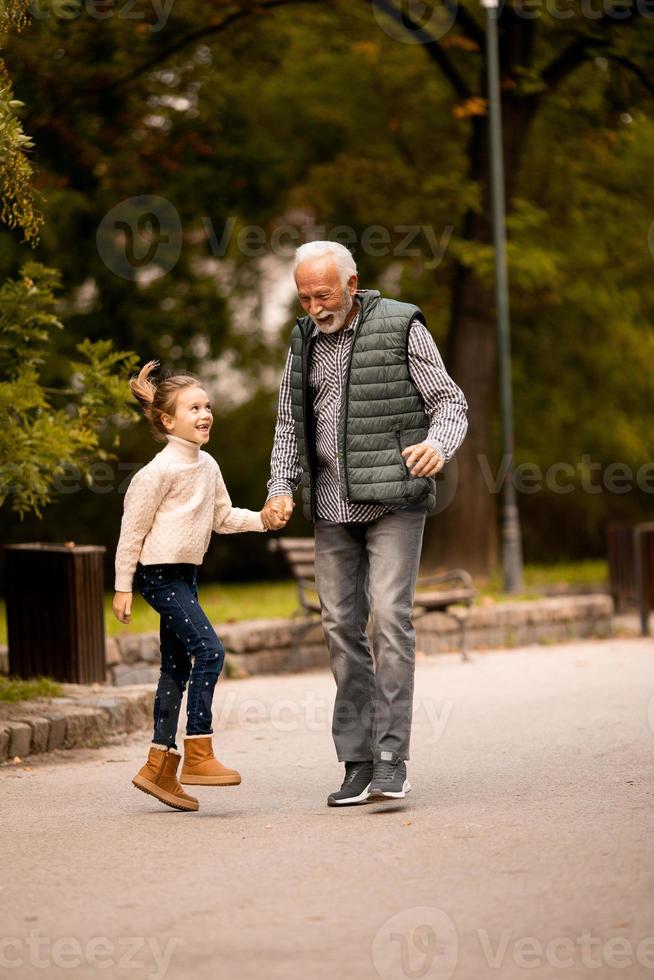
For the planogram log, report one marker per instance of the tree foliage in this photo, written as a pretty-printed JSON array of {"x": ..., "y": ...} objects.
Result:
[
  {"x": 17, "y": 195},
  {"x": 46, "y": 429},
  {"x": 266, "y": 113}
]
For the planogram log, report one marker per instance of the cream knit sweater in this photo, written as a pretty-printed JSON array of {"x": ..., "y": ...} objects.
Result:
[{"x": 170, "y": 509}]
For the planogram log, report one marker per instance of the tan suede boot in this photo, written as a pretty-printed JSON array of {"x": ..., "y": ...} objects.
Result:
[
  {"x": 201, "y": 768},
  {"x": 158, "y": 777}
]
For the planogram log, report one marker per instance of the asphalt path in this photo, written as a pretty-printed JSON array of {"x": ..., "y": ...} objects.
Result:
[{"x": 524, "y": 850}]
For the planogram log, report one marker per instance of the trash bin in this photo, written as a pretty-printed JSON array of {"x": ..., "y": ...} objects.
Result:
[
  {"x": 55, "y": 611},
  {"x": 622, "y": 565},
  {"x": 631, "y": 568}
]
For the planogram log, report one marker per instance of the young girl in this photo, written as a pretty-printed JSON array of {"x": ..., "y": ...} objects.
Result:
[{"x": 170, "y": 509}]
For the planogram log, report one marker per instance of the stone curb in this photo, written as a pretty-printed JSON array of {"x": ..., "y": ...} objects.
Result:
[{"x": 86, "y": 717}]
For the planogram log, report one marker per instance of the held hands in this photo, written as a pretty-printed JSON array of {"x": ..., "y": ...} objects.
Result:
[
  {"x": 277, "y": 513},
  {"x": 423, "y": 460},
  {"x": 122, "y": 606}
]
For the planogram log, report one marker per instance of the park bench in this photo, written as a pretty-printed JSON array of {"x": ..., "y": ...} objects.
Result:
[{"x": 456, "y": 587}]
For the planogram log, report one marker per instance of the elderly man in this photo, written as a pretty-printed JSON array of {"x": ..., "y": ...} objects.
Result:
[{"x": 367, "y": 418}]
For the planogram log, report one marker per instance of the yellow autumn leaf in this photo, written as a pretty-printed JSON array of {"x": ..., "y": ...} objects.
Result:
[{"x": 471, "y": 107}]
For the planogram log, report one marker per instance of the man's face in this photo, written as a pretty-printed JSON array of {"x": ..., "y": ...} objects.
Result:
[{"x": 322, "y": 294}]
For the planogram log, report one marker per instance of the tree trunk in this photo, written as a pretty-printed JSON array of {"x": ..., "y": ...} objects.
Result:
[{"x": 466, "y": 532}]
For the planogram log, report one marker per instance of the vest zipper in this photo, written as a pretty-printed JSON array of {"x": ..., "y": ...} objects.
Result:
[
  {"x": 305, "y": 416},
  {"x": 399, "y": 446},
  {"x": 346, "y": 405}
]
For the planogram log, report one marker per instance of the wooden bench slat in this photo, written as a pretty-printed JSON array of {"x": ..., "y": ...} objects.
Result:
[
  {"x": 300, "y": 556},
  {"x": 293, "y": 544},
  {"x": 303, "y": 569}
]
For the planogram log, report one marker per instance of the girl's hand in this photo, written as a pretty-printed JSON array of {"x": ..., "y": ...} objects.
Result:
[{"x": 122, "y": 606}]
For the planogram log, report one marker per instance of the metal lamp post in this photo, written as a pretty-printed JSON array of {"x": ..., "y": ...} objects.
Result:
[{"x": 511, "y": 539}]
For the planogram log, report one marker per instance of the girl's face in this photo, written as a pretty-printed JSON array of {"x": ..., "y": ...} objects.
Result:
[{"x": 192, "y": 419}]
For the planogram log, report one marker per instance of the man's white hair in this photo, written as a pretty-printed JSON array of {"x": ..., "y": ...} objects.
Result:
[{"x": 342, "y": 257}]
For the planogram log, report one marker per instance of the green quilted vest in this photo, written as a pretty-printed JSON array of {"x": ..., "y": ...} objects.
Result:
[{"x": 382, "y": 411}]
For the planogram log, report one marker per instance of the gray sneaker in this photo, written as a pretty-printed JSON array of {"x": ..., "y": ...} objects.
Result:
[
  {"x": 389, "y": 780},
  {"x": 355, "y": 785}
]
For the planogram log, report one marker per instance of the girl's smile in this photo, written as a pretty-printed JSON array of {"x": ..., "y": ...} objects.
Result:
[{"x": 192, "y": 419}]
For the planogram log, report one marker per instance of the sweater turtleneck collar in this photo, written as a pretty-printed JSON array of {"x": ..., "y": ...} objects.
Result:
[{"x": 182, "y": 450}]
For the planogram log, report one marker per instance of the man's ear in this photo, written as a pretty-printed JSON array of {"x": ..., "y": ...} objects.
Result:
[{"x": 352, "y": 284}]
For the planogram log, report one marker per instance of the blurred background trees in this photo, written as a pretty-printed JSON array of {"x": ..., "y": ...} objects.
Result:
[{"x": 268, "y": 115}]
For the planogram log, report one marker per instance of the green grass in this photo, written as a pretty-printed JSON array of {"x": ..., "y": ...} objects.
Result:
[
  {"x": 222, "y": 604},
  {"x": 540, "y": 577},
  {"x": 15, "y": 689},
  {"x": 271, "y": 600}
]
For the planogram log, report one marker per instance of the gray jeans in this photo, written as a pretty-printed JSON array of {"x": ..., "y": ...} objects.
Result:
[{"x": 362, "y": 570}]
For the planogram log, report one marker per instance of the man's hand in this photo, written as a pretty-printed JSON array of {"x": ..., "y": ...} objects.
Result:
[
  {"x": 122, "y": 606},
  {"x": 277, "y": 513},
  {"x": 423, "y": 460}
]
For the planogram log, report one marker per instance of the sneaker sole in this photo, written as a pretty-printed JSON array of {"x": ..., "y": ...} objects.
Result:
[
  {"x": 378, "y": 795},
  {"x": 210, "y": 780},
  {"x": 160, "y": 794},
  {"x": 352, "y": 800}
]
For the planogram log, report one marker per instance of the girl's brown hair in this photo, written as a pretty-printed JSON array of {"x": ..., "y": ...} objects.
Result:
[{"x": 160, "y": 398}]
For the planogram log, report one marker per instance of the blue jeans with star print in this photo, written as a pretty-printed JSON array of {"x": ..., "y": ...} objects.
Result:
[{"x": 191, "y": 652}]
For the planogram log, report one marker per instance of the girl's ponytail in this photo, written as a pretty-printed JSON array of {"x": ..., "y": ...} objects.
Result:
[{"x": 143, "y": 389}]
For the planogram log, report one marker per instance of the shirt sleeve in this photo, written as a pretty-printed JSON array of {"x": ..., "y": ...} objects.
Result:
[
  {"x": 285, "y": 467},
  {"x": 144, "y": 495},
  {"x": 232, "y": 520},
  {"x": 445, "y": 403}
]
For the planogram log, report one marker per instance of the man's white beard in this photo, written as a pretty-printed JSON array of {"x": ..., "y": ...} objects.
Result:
[{"x": 340, "y": 316}]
